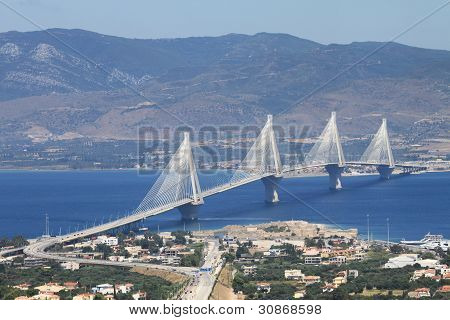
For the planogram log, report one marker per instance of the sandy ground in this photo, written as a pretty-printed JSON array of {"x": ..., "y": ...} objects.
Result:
[
  {"x": 223, "y": 288},
  {"x": 167, "y": 275}
]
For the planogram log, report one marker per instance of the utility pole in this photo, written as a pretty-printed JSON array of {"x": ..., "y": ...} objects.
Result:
[
  {"x": 368, "y": 230},
  {"x": 387, "y": 221},
  {"x": 47, "y": 226}
]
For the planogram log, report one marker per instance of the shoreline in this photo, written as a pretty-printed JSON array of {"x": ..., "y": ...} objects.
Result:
[{"x": 136, "y": 169}]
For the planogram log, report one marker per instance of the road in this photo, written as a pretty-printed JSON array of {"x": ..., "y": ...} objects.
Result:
[
  {"x": 38, "y": 248},
  {"x": 8, "y": 251},
  {"x": 201, "y": 286}
]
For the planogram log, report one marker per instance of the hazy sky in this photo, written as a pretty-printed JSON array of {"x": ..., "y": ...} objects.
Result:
[{"x": 322, "y": 21}]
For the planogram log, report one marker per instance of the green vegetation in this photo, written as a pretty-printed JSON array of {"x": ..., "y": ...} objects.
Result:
[
  {"x": 87, "y": 277},
  {"x": 105, "y": 249},
  {"x": 16, "y": 242},
  {"x": 318, "y": 243},
  {"x": 180, "y": 237},
  {"x": 193, "y": 260},
  {"x": 276, "y": 229},
  {"x": 373, "y": 282}
]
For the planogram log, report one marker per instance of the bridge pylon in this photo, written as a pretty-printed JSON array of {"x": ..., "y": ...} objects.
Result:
[
  {"x": 271, "y": 182},
  {"x": 328, "y": 151},
  {"x": 176, "y": 186},
  {"x": 379, "y": 152},
  {"x": 262, "y": 160},
  {"x": 189, "y": 211}
]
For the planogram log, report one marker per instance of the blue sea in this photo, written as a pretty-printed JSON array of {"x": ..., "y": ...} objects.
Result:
[{"x": 414, "y": 204}]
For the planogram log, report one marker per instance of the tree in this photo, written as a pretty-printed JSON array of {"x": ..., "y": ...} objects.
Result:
[
  {"x": 313, "y": 291},
  {"x": 241, "y": 250},
  {"x": 238, "y": 282},
  {"x": 310, "y": 242},
  {"x": 320, "y": 243},
  {"x": 105, "y": 249},
  {"x": 446, "y": 259},
  {"x": 427, "y": 255},
  {"x": 229, "y": 257},
  {"x": 158, "y": 240},
  {"x": 19, "y": 241},
  {"x": 120, "y": 237},
  {"x": 248, "y": 288},
  {"x": 16, "y": 241},
  {"x": 281, "y": 291},
  {"x": 396, "y": 249},
  {"x": 87, "y": 249},
  {"x": 144, "y": 243},
  {"x": 180, "y": 237},
  {"x": 124, "y": 252},
  {"x": 192, "y": 260}
]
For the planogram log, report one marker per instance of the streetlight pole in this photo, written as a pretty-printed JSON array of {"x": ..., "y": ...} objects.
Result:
[
  {"x": 368, "y": 230},
  {"x": 388, "y": 235}
]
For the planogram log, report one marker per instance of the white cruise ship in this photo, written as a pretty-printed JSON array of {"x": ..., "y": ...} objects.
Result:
[{"x": 427, "y": 239}]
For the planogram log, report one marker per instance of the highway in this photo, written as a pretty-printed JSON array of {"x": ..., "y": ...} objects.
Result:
[
  {"x": 37, "y": 249},
  {"x": 8, "y": 251},
  {"x": 201, "y": 286}
]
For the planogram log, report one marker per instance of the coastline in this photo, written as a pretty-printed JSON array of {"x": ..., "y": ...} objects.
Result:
[{"x": 55, "y": 169}]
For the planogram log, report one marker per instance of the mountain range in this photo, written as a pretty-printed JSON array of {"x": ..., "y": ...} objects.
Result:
[{"x": 66, "y": 84}]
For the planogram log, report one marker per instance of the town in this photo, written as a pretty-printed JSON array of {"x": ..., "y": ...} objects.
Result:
[{"x": 276, "y": 260}]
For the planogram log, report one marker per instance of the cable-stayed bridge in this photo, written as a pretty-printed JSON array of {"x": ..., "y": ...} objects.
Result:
[
  {"x": 178, "y": 184},
  {"x": 327, "y": 152}
]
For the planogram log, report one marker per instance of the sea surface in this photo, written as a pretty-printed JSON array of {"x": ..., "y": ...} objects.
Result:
[{"x": 414, "y": 204}]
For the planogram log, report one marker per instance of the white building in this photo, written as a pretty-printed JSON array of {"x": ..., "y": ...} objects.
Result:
[
  {"x": 140, "y": 295},
  {"x": 338, "y": 259},
  {"x": 170, "y": 260},
  {"x": 313, "y": 260},
  {"x": 427, "y": 273},
  {"x": 69, "y": 265},
  {"x": 293, "y": 274},
  {"x": 428, "y": 263},
  {"x": 109, "y": 241},
  {"x": 116, "y": 258},
  {"x": 353, "y": 273},
  {"x": 401, "y": 261},
  {"x": 104, "y": 289},
  {"x": 124, "y": 288},
  {"x": 309, "y": 280},
  {"x": 249, "y": 270},
  {"x": 273, "y": 253}
]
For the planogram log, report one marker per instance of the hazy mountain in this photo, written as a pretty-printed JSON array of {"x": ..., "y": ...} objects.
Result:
[{"x": 73, "y": 83}]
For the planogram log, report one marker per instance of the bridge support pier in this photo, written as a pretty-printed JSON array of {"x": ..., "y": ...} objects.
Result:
[
  {"x": 334, "y": 172},
  {"x": 271, "y": 188},
  {"x": 189, "y": 211},
  {"x": 385, "y": 171}
]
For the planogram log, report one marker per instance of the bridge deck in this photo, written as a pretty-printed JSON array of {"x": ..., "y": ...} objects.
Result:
[
  {"x": 222, "y": 188},
  {"x": 38, "y": 249},
  {"x": 407, "y": 166}
]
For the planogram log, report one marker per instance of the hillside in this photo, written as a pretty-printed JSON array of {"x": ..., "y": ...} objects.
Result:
[{"x": 75, "y": 83}]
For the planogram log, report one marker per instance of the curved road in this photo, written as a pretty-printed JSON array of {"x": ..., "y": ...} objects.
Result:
[{"x": 38, "y": 248}]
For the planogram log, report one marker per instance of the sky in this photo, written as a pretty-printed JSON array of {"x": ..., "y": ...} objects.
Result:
[{"x": 343, "y": 21}]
